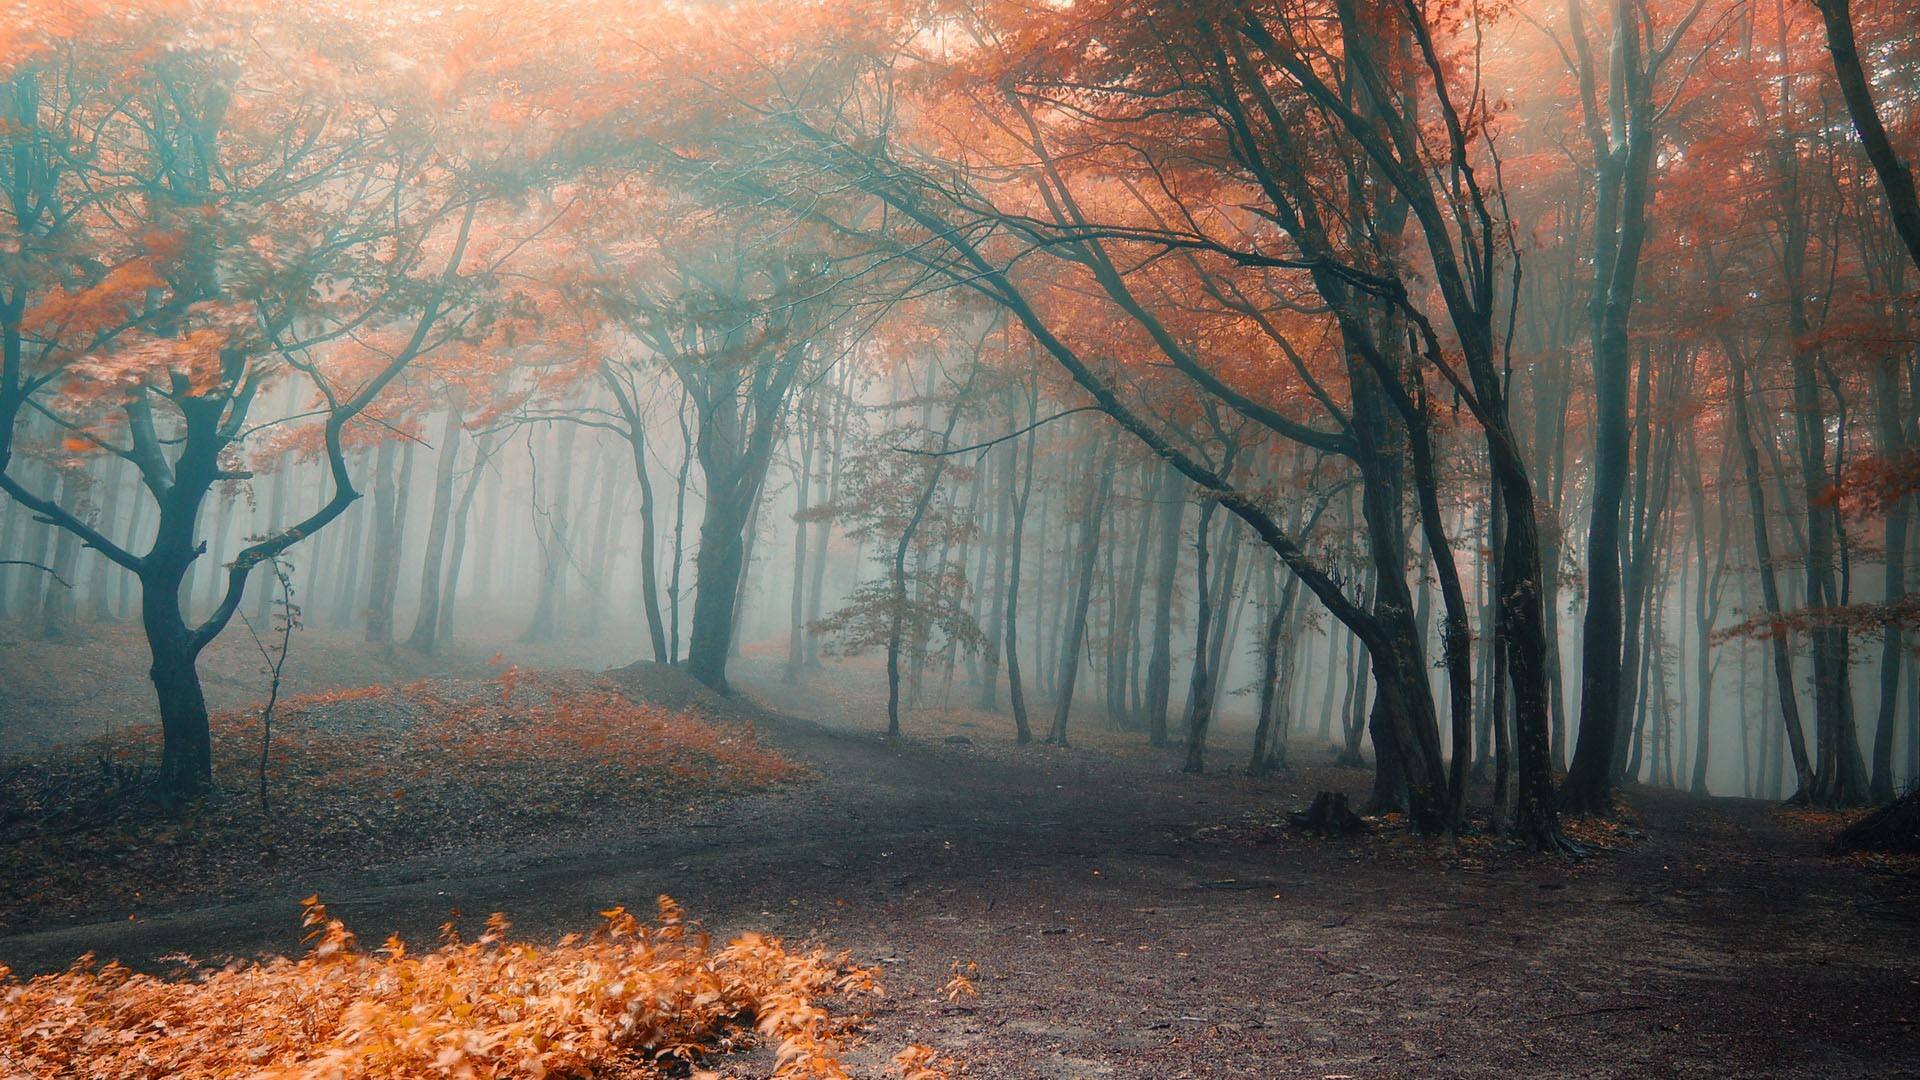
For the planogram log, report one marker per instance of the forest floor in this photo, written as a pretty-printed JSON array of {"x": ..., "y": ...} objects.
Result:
[{"x": 1130, "y": 921}]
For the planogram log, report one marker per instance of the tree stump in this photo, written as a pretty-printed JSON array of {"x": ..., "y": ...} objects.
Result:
[{"x": 1329, "y": 815}]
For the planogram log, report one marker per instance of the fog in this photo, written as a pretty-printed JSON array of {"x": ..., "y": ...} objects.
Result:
[
  {"x": 1178, "y": 537},
  {"x": 526, "y": 527}
]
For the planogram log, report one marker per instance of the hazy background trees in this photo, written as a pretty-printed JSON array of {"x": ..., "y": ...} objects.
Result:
[{"x": 1478, "y": 399}]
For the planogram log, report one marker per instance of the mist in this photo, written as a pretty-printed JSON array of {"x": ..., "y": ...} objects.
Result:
[{"x": 1400, "y": 501}]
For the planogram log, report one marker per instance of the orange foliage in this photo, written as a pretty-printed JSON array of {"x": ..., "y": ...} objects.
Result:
[
  {"x": 358, "y": 777},
  {"x": 961, "y": 985},
  {"x": 601, "y": 727},
  {"x": 628, "y": 999},
  {"x": 919, "y": 1062},
  {"x": 535, "y": 726}
]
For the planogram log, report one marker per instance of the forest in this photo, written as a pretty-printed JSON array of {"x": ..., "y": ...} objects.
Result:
[{"x": 959, "y": 538}]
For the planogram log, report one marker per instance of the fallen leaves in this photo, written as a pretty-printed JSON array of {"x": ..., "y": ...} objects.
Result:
[
  {"x": 1603, "y": 833},
  {"x": 961, "y": 985},
  {"x": 358, "y": 777},
  {"x": 919, "y": 1062},
  {"x": 627, "y": 1000}
]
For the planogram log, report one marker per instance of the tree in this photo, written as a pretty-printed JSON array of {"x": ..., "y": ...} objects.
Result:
[
  {"x": 1623, "y": 136},
  {"x": 737, "y": 323},
  {"x": 971, "y": 225},
  {"x": 234, "y": 219},
  {"x": 1856, "y": 88}
]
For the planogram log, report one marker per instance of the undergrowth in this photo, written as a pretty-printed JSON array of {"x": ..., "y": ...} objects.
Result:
[{"x": 629, "y": 1000}]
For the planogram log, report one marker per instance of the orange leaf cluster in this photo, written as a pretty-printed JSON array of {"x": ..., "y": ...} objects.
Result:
[
  {"x": 359, "y": 777},
  {"x": 918, "y": 1062},
  {"x": 628, "y": 999},
  {"x": 536, "y": 725},
  {"x": 599, "y": 726}
]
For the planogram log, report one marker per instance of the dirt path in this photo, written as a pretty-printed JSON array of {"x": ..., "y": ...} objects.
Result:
[{"x": 1129, "y": 921}]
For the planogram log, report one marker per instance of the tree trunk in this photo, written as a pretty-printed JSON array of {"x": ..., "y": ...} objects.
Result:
[
  {"x": 449, "y": 591},
  {"x": 718, "y": 567},
  {"x": 14, "y": 518},
  {"x": 1769, "y": 583},
  {"x": 1125, "y": 631},
  {"x": 1003, "y": 525},
  {"x": 1226, "y": 629},
  {"x": 1839, "y": 775},
  {"x": 1622, "y": 186},
  {"x": 611, "y": 500},
  {"x": 1200, "y": 685},
  {"x": 797, "y": 622},
  {"x": 346, "y": 596},
  {"x": 1893, "y": 409},
  {"x": 1652, "y": 473},
  {"x": 1170, "y": 495},
  {"x": 749, "y": 540},
  {"x": 679, "y": 535},
  {"x": 97, "y": 590},
  {"x": 1016, "y": 697},
  {"x": 1706, "y": 611},
  {"x": 186, "y": 755},
  {"x": 1271, "y": 726},
  {"x": 389, "y": 516},
  {"x": 823, "y": 529},
  {"x": 735, "y": 445},
  {"x": 57, "y": 605},
  {"x": 426, "y": 622},
  {"x": 555, "y": 551},
  {"x": 1497, "y": 697},
  {"x": 1091, "y": 522},
  {"x": 1896, "y": 178}
]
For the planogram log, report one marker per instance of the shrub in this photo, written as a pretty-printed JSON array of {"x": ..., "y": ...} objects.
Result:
[{"x": 626, "y": 1000}]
